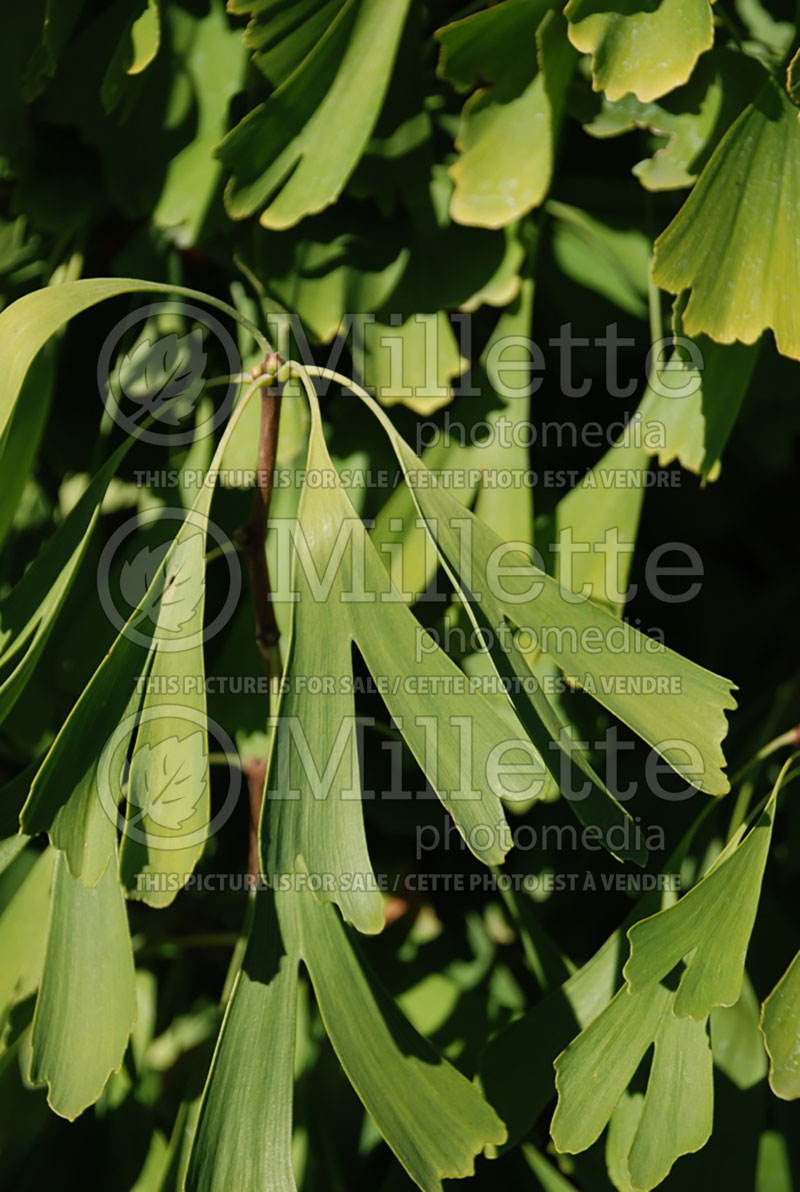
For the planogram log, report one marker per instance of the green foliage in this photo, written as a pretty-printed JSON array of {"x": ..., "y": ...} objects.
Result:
[{"x": 337, "y": 883}]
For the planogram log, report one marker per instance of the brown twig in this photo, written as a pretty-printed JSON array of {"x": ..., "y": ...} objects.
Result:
[{"x": 253, "y": 537}]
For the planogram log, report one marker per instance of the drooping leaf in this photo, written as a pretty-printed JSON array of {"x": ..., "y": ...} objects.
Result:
[
  {"x": 441, "y": 1121},
  {"x": 733, "y": 242},
  {"x": 780, "y": 1025},
  {"x": 473, "y": 550},
  {"x": 64, "y": 798},
  {"x": 243, "y": 1136},
  {"x": 313, "y": 812},
  {"x": 77, "y": 792},
  {"x": 87, "y": 1001},
  {"x": 296, "y": 151},
  {"x": 648, "y": 49},
  {"x": 168, "y": 808}
]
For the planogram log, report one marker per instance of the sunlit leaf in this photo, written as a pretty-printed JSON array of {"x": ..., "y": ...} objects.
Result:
[
  {"x": 692, "y": 118},
  {"x": 530, "y": 598},
  {"x": 708, "y": 929},
  {"x": 313, "y": 812},
  {"x": 645, "y": 48},
  {"x": 508, "y": 130},
  {"x": 594, "y": 1071},
  {"x": 733, "y": 242}
]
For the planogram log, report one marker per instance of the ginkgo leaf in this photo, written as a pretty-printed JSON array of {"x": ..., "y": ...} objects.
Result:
[
  {"x": 733, "y": 243},
  {"x": 508, "y": 130},
  {"x": 77, "y": 792},
  {"x": 517, "y": 1069},
  {"x": 168, "y": 810},
  {"x": 414, "y": 362},
  {"x": 441, "y": 1121},
  {"x": 692, "y": 118},
  {"x": 780, "y": 1026},
  {"x": 63, "y": 799},
  {"x": 678, "y": 1108},
  {"x": 243, "y": 1137},
  {"x": 214, "y": 61},
  {"x": 296, "y": 152},
  {"x": 597, "y": 1067},
  {"x": 709, "y": 928},
  {"x": 525, "y": 595},
  {"x": 87, "y": 1000},
  {"x": 648, "y": 49},
  {"x": 313, "y": 795}
]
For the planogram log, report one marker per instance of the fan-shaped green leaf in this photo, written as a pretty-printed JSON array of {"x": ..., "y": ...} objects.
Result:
[
  {"x": 508, "y": 131},
  {"x": 645, "y": 48},
  {"x": 563, "y": 624},
  {"x": 597, "y": 1067},
  {"x": 734, "y": 243},
  {"x": 708, "y": 929}
]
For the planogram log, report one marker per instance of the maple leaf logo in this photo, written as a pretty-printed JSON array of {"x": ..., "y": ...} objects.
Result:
[
  {"x": 172, "y": 604},
  {"x": 158, "y": 372},
  {"x": 168, "y": 780}
]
